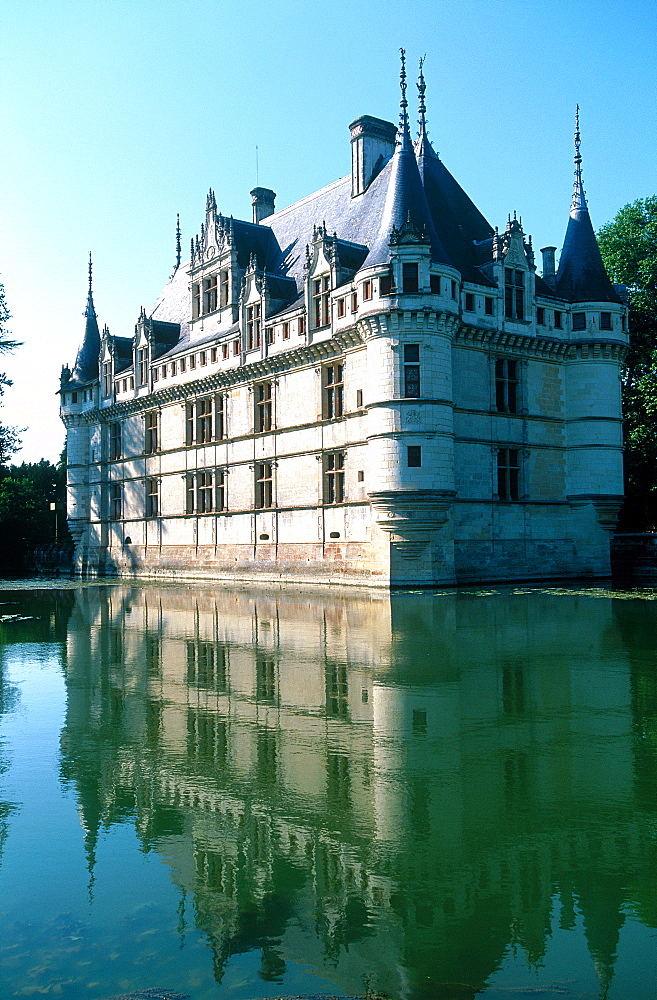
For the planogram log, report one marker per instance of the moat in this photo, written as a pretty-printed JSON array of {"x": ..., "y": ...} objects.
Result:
[{"x": 251, "y": 793}]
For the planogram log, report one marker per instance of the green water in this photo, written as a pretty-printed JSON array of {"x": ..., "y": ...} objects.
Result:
[{"x": 241, "y": 793}]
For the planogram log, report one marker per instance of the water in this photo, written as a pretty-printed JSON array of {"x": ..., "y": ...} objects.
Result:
[{"x": 241, "y": 793}]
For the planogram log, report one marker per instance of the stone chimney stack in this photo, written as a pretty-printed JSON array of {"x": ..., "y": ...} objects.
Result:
[
  {"x": 549, "y": 269},
  {"x": 372, "y": 143},
  {"x": 262, "y": 200}
]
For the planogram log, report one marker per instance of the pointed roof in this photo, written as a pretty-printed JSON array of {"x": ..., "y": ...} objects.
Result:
[
  {"x": 423, "y": 147},
  {"x": 86, "y": 363},
  {"x": 581, "y": 276},
  {"x": 405, "y": 196}
]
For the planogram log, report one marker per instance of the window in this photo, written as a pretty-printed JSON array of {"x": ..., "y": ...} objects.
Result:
[
  {"x": 253, "y": 326},
  {"x": 142, "y": 365},
  {"x": 469, "y": 302},
  {"x": 514, "y": 293},
  {"x": 183, "y": 365},
  {"x": 410, "y": 283},
  {"x": 210, "y": 294},
  {"x": 506, "y": 386},
  {"x": 341, "y": 307},
  {"x": 385, "y": 284},
  {"x": 213, "y": 355},
  {"x": 321, "y": 298},
  {"x": 115, "y": 501},
  {"x": 605, "y": 321},
  {"x": 354, "y": 302},
  {"x": 114, "y": 441},
  {"x": 270, "y": 335},
  {"x": 107, "y": 378},
  {"x": 489, "y": 305},
  {"x": 236, "y": 347},
  {"x": 540, "y": 316},
  {"x": 508, "y": 473},
  {"x": 204, "y": 492},
  {"x": 220, "y": 490},
  {"x": 189, "y": 493},
  {"x": 263, "y": 407},
  {"x": 359, "y": 399},
  {"x": 434, "y": 284},
  {"x": 558, "y": 319},
  {"x": 333, "y": 376},
  {"x": 192, "y": 362},
  {"x": 367, "y": 289},
  {"x": 412, "y": 371},
  {"x": 174, "y": 368},
  {"x": 579, "y": 321},
  {"x": 263, "y": 484},
  {"x": 203, "y": 359},
  {"x": 156, "y": 374},
  {"x": 224, "y": 351},
  {"x": 219, "y": 417},
  {"x": 225, "y": 295},
  {"x": 414, "y": 456},
  {"x": 152, "y": 497},
  {"x": 196, "y": 300},
  {"x": 453, "y": 289},
  {"x": 204, "y": 420},
  {"x": 151, "y": 431},
  {"x": 334, "y": 477},
  {"x": 286, "y": 331}
]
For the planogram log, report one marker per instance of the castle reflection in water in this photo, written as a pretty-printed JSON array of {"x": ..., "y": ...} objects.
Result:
[{"x": 396, "y": 787}]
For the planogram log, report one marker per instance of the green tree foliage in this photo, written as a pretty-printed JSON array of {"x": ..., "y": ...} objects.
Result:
[
  {"x": 9, "y": 436},
  {"x": 629, "y": 249},
  {"x": 26, "y": 520}
]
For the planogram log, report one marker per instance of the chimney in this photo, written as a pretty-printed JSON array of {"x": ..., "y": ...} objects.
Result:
[
  {"x": 372, "y": 143},
  {"x": 262, "y": 200},
  {"x": 549, "y": 271}
]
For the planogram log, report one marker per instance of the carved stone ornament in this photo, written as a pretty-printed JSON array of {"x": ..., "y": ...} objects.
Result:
[{"x": 410, "y": 517}]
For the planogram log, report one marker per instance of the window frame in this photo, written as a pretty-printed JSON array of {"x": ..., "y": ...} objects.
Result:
[
  {"x": 508, "y": 471},
  {"x": 507, "y": 385},
  {"x": 334, "y": 478},
  {"x": 333, "y": 390},
  {"x": 264, "y": 485},
  {"x": 514, "y": 294},
  {"x": 152, "y": 496},
  {"x": 412, "y": 372},
  {"x": 321, "y": 296},
  {"x": 115, "y": 441},
  {"x": 151, "y": 432},
  {"x": 263, "y": 395}
]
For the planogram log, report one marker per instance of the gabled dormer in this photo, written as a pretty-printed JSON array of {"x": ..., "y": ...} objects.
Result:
[
  {"x": 513, "y": 269},
  {"x": 252, "y": 307},
  {"x": 214, "y": 272},
  {"x": 321, "y": 276}
]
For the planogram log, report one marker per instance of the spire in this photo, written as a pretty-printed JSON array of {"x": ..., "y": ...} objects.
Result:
[
  {"x": 86, "y": 364},
  {"x": 422, "y": 147},
  {"x": 403, "y": 132},
  {"x": 581, "y": 276},
  {"x": 405, "y": 196},
  {"x": 178, "y": 243}
]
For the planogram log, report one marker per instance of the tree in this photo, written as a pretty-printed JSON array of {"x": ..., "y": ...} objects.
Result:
[
  {"x": 629, "y": 249},
  {"x": 27, "y": 521},
  {"x": 9, "y": 436}
]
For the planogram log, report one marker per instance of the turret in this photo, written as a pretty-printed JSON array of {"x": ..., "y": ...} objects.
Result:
[{"x": 86, "y": 363}]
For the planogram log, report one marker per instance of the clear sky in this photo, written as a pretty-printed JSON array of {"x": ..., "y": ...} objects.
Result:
[{"x": 117, "y": 114}]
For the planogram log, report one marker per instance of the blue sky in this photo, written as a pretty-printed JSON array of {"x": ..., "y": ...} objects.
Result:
[{"x": 115, "y": 115}]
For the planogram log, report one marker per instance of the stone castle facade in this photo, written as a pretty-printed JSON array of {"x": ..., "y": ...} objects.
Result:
[{"x": 372, "y": 386}]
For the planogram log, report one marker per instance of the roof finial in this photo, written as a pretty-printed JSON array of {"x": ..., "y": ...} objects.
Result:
[
  {"x": 579, "y": 198},
  {"x": 178, "y": 243},
  {"x": 422, "y": 108},
  {"x": 90, "y": 272},
  {"x": 403, "y": 134}
]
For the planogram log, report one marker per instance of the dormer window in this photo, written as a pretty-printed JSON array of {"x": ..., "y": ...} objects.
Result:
[
  {"x": 107, "y": 378},
  {"x": 253, "y": 326},
  {"x": 321, "y": 299},
  {"x": 225, "y": 294},
  {"x": 210, "y": 294},
  {"x": 142, "y": 365},
  {"x": 514, "y": 293},
  {"x": 196, "y": 300}
]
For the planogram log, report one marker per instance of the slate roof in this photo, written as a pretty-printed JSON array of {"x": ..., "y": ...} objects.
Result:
[{"x": 85, "y": 369}]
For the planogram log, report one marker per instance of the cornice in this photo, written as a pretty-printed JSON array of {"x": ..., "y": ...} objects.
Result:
[{"x": 535, "y": 346}]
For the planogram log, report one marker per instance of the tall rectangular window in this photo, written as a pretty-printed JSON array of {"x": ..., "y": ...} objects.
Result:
[
  {"x": 115, "y": 449},
  {"x": 225, "y": 289},
  {"x": 263, "y": 407},
  {"x": 219, "y": 417},
  {"x": 508, "y": 474},
  {"x": 334, "y": 477},
  {"x": 152, "y": 497},
  {"x": 204, "y": 420},
  {"x": 115, "y": 510},
  {"x": 514, "y": 293},
  {"x": 196, "y": 300},
  {"x": 414, "y": 456},
  {"x": 204, "y": 492},
  {"x": 220, "y": 490},
  {"x": 321, "y": 303},
  {"x": 142, "y": 366},
  {"x": 579, "y": 321},
  {"x": 151, "y": 432},
  {"x": 107, "y": 378},
  {"x": 506, "y": 386},
  {"x": 605, "y": 321},
  {"x": 410, "y": 282},
  {"x": 190, "y": 493},
  {"x": 210, "y": 293},
  {"x": 333, "y": 377},
  {"x": 253, "y": 326},
  {"x": 411, "y": 371},
  {"x": 263, "y": 485},
  {"x": 558, "y": 319}
]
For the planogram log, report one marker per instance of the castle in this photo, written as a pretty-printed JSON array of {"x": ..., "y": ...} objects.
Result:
[{"x": 372, "y": 386}]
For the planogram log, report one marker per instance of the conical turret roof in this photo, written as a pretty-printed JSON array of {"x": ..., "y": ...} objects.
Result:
[
  {"x": 581, "y": 276},
  {"x": 405, "y": 196},
  {"x": 86, "y": 363}
]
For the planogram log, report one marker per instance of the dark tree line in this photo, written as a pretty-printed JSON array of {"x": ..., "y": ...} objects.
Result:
[{"x": 629, "y": 250}]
